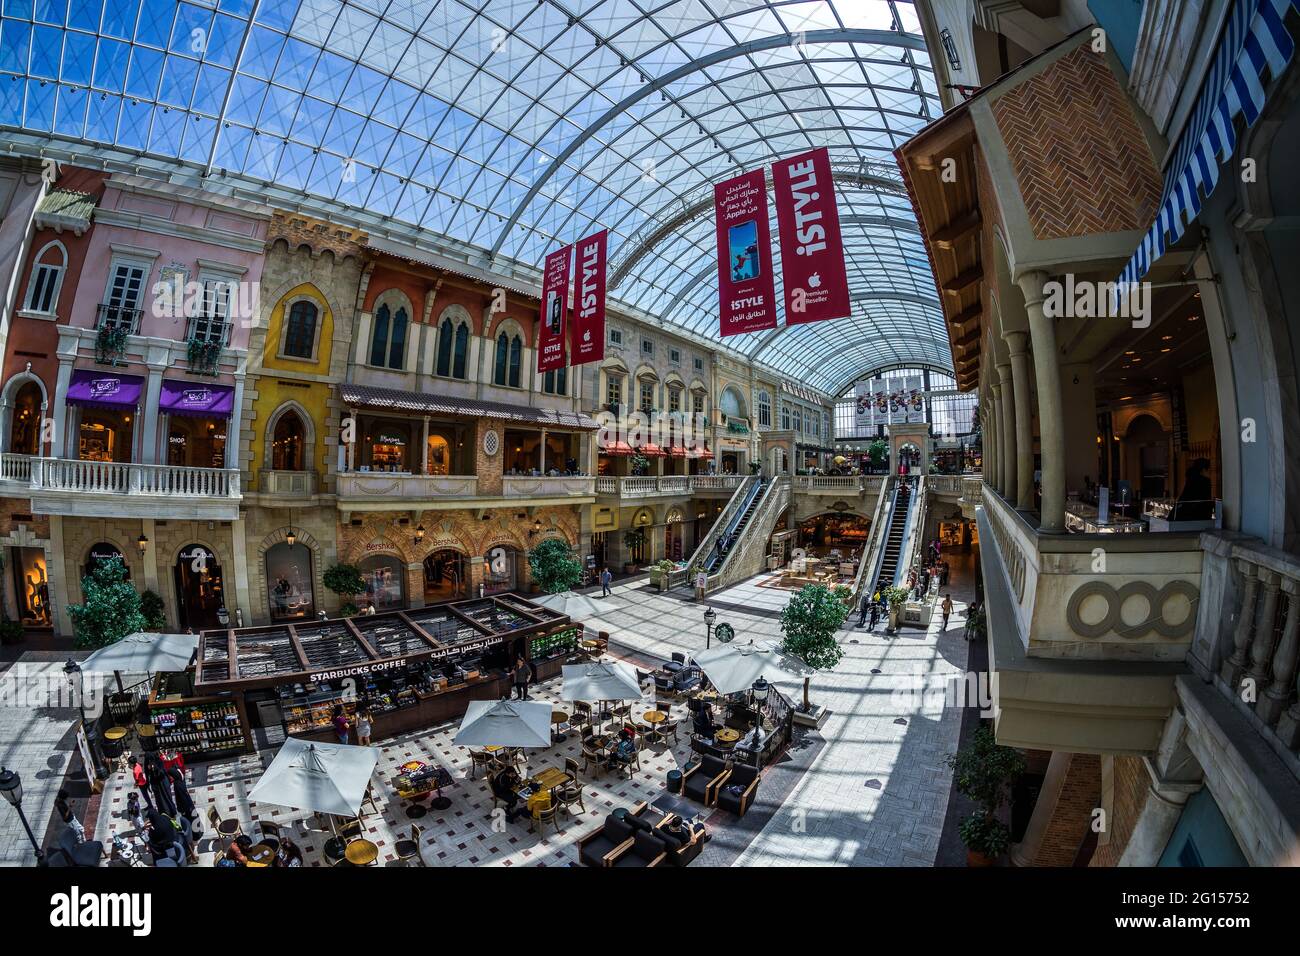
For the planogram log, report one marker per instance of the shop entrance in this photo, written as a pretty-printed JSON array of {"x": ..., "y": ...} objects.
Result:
[
  {"x": 826, "y": 532},
  {"x": 104, "y": 435},
  {"x": 31, "y": 587},
  {"x": 289, "y": 582},
  {"x": 385, "y": 582},
  {"x": 446, "y": 576},
  {"x": 199, "y": 590}
]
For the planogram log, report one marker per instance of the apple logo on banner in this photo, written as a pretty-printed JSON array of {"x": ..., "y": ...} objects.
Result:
[
  {"x": 814, "y": 281},
  {"x": 586, "y": 336}
]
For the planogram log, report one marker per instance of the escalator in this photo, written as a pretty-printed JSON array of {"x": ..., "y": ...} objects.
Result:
[
  {"x": 894, "y": 538},
  {"x": 714, "y": 560}
]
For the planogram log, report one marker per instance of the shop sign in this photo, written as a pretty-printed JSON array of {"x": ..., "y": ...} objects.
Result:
[
  {"x": 380, "y": 547},
  {"x": 373, "y": 667}
]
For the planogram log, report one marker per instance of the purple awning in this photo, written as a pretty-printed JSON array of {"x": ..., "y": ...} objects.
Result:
[
  {"x": 104, "y": 389},
  {"x": 200, "y": 401}
]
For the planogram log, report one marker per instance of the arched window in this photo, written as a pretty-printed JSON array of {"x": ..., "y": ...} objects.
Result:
[
  {"x": 388, "y": 342},
  {"x": 556, "y": 382},
  {"x": 288, "y": 443},
  {"x": 502, "y": 359},
  {"x": 460, "y": 356},
  {"x": 764, "y": 409},
  {"x": 730, "y": 403},
  {"x": 46, "y": 279},
  {"x": 516, "y": 360},
  {"x": 445, "y": 335},
  {"x": 289, "y": 582},
  {"x": 300, "y": 333}
]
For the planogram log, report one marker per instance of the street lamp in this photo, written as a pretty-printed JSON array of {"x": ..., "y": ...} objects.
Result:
[
  {"x": 11, "y": 785},
  {"x": 710, "y": 616}
]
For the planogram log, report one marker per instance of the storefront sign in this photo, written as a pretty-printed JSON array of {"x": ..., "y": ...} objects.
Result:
[
  {"x": 746, "y": 291},
  {"x": 812, "y": 254},
  {"x": 199, "y": 401},
  {"x": 555, "y": 309},
  {"x": 371, "y": 667},
  {"x": 104, "y": 389},
  {"x": 587, "y": 327}
]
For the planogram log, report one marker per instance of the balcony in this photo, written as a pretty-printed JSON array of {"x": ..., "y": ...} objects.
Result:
[
  {"x": 383, "y": 491},
  {"x": 545, "y": 489},
  {"x": 105, "y": 489},
  {"x": 1087, "y": 632},
  {"x": 287, "y": 486},
  {"x": 837, "y": 484},
  {"x": 666, "y": 486},
  {"x": 116, "y": 318},
  {"x": 15, "y": 472},
  {"x": 208, "y": 329}
]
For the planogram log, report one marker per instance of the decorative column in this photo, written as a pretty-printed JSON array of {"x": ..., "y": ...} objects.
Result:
[
  {"x": 424, "y": 448},
  {"x": 1051, "y": 419},
  {"x": 239, "y": 551},
  {"x": 352, "y": 445},
  {"x": 1009, "y": 443},
  {"x": 1235, "y": 665},
  {"x": 159, "y": 362},
  {"x": 1282, "y": 689},
  {"x": 1016, "y": 345},
  {"x": 60, "y": 408},
  {"x": 234, "y": 431},
  {"x": 1261, "y": 648},
  {"x": 999, "y": 441},
  {"x": 541, "y": 448}
]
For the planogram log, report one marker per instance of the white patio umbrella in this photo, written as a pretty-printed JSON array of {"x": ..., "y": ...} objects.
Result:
[
  {"x": 601, "y": 680},
  {"x": 325, "y": 778},
  {"x": 578, "y": 607},
  {"x": 505, "y": 723},
  {"x": 734, "y": 667},
  {"x": 143, "y": 652}
]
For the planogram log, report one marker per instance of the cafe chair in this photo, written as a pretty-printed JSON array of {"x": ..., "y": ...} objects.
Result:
[
  {"x": 591, "y": 757},
  {"x": 228, "y": 828},
  {"x": 272, "y": 834},
  {"x": 480, "y": 758},
  {"x": 570, "y": 792},
  {"x": 647, "y": 733},
  {"x": 701, "y": 781},
  {"x": 647, "y": 850},
  {"x": 350, "y": 830},
  {"x": 540, "y": 815},
  {"x": 409, "y": 849},
  {"x": 668, "y": 729},
  {"x": 601, "y": 847},
  {"x": 679, "y": 657},
  {"x": 737, "y": 793}
]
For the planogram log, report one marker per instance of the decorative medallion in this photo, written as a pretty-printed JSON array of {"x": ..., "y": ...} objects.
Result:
[{"x": 491, "y": 443}]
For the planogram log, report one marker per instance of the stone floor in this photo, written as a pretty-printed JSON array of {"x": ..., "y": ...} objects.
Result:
[{"x": 869, "y": 787}]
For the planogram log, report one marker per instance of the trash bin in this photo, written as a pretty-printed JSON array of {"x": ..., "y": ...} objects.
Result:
[{"x": 674, "y": 781}]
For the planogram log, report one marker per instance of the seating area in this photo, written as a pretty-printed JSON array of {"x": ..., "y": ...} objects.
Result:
[
  {"x": 726, "y": 784},
  {"x": 642, "y": 837}
]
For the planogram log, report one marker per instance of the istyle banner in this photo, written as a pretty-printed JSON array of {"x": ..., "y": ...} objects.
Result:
[
  {"x": 555, "y": 308},
  {"x": 812, "y": 253},
  {"x": 746, "y": 291},
  {"x": 587, "y": 327}
]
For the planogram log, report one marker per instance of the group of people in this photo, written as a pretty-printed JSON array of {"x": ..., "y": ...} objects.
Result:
[
  {"x": 287, "y": 853},
  {"x": 162, "y": 810},
  {"x": 343, "y": 726}
]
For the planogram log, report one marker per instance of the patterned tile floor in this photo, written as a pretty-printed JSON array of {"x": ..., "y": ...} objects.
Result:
[{"x": 466, "y": 833}]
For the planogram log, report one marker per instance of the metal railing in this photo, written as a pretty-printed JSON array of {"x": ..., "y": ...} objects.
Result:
[
  {"x": 116, "y": 317},
  {"x": 208, "y": 328}
]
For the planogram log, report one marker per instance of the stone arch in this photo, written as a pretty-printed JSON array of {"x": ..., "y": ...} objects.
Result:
[
  {"x": 10, "y": 392},
  {"x": 258, "y": 580},
  {"x": 309, "y": 436}
]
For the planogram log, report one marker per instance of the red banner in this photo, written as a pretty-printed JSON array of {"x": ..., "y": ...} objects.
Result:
[
  {"x": 746, "y": 291},
  {"x": 555, "y": 311},
  {"x": 812, "y": 253},
  {"x": 587, "y": 328}
]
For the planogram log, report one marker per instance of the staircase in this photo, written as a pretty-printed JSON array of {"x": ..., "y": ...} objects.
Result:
[
  {"x": 894, "y": 538},
  {"x": 735, "y": 530}
]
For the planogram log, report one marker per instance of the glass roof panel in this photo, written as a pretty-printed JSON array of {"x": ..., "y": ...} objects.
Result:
[{"x": 502, "y": 128}]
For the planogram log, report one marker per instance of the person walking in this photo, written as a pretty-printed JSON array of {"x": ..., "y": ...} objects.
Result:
[
  {"x": 159, "y": 785},
  {"x": 363, "y": 727},
  {"x": 864, "y": 610},
  {"x": 141, "y": 782},
  {"x": 946, "y": 607},
  {"x": 875, "y": 614},
  {"x": 606, "y": 576},
  {"x": 181, "y": 793},
  {"x": 64, "y": 809}
]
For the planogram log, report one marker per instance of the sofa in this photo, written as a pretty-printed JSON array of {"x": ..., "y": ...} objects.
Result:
[
  {"x": 68, "y": 852},
  {"x": 702, "y": 780},
  {"x": 737, "y": 792},
  {"x": 601, "y": 847}
]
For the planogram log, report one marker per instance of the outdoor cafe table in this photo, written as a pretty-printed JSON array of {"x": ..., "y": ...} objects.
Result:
[
  {"x": 726, "y": 737},
  {"x": 361, "y": 853},
  {"x": 260, "y": 855},
  {"x": 558, "y": 717},
  {"x": 549, "y": 779}
]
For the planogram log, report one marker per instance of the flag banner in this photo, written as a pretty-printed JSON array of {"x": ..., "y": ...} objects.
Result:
[
  {"x": 587, "y": 326},
  {"x": 815, "y": 281},
  {"x": 915, "y": 399},
  {"x": 746, "y": 290},
  {"x": 555, "y": 308},
  {"x": 864, "y": 405}
]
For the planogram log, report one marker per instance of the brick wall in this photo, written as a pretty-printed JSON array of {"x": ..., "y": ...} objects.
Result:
[
  {"x": 1080, "y": 795},
  {"x": 1130, "y": 789}
]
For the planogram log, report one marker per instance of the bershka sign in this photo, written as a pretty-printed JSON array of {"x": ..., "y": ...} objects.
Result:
[
  {"x": 374, "y": 667},
  {"x": 812, "y": 253},
  {"x": 76, "y": 909},
  {"x": 555, "y": 309},
  {"x": 746, "y": 290},
  {"x": 587, "y": 326}
]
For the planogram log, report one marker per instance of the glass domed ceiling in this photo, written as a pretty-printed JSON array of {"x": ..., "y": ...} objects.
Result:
[{"x": 502, "y": 128}]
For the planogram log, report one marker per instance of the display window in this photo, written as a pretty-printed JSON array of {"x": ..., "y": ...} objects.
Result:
[
  {"x": 289, "y": 582},
  {"x": 388, "y": 445},
  {"x": 385, "y": 582},
  {"x": 199, "y": 588},
  {"x": 105, "y": 435},
  {"x": 196, "y": 442},
  {"x": 446, "y": 576},
  {"x": 25, "y": 421},
  {"x": 500, "y": 566},
  {"x": 31, "y": 586}
]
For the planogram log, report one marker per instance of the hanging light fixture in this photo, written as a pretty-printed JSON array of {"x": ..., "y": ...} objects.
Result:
[
  {"x": 142, "y": 543},
  {"x": 290, "y": 538},
  {"x": 419, "y": 533}
]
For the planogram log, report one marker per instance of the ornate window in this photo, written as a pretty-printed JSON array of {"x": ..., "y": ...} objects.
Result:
[
  {"x": 46, "y": 280},
  {"x": 764, "y": 409},
  {"x": 509, "y": 360},
  {"x": 453, "y": 348},
  {"x": 300, "y": 331},
  {"x": 556, "y": 382},
  {"x": 388, "y": 340}
]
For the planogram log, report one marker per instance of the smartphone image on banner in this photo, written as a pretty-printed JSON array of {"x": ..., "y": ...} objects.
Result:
[
  {"x": 553, "y": 311},
  {"x": 742, "y": 243}
]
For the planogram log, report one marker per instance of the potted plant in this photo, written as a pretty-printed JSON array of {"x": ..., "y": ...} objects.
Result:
[
  {"x": 204, "y": 356},
  {"x": 151, "y": 606},
  {"x": 346, "y": 581},
  {"x": 845, "y": 594},
  {"x": 553, "y": 566},
  {"x": 894, "y": 599},
  {"x": 633, "y": 541},
  {"x": 983, "y": 773},
  {"x": 111, "y": 609},
  {"x": 810, "y": 622},
  {"x": 660, "y": 571},
  {"x": 110, "y": 344},
  {"x": 876, "y": 452}
]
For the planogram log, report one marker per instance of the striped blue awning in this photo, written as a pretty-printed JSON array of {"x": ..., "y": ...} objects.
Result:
[{"x": 1254, "y": 40}]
